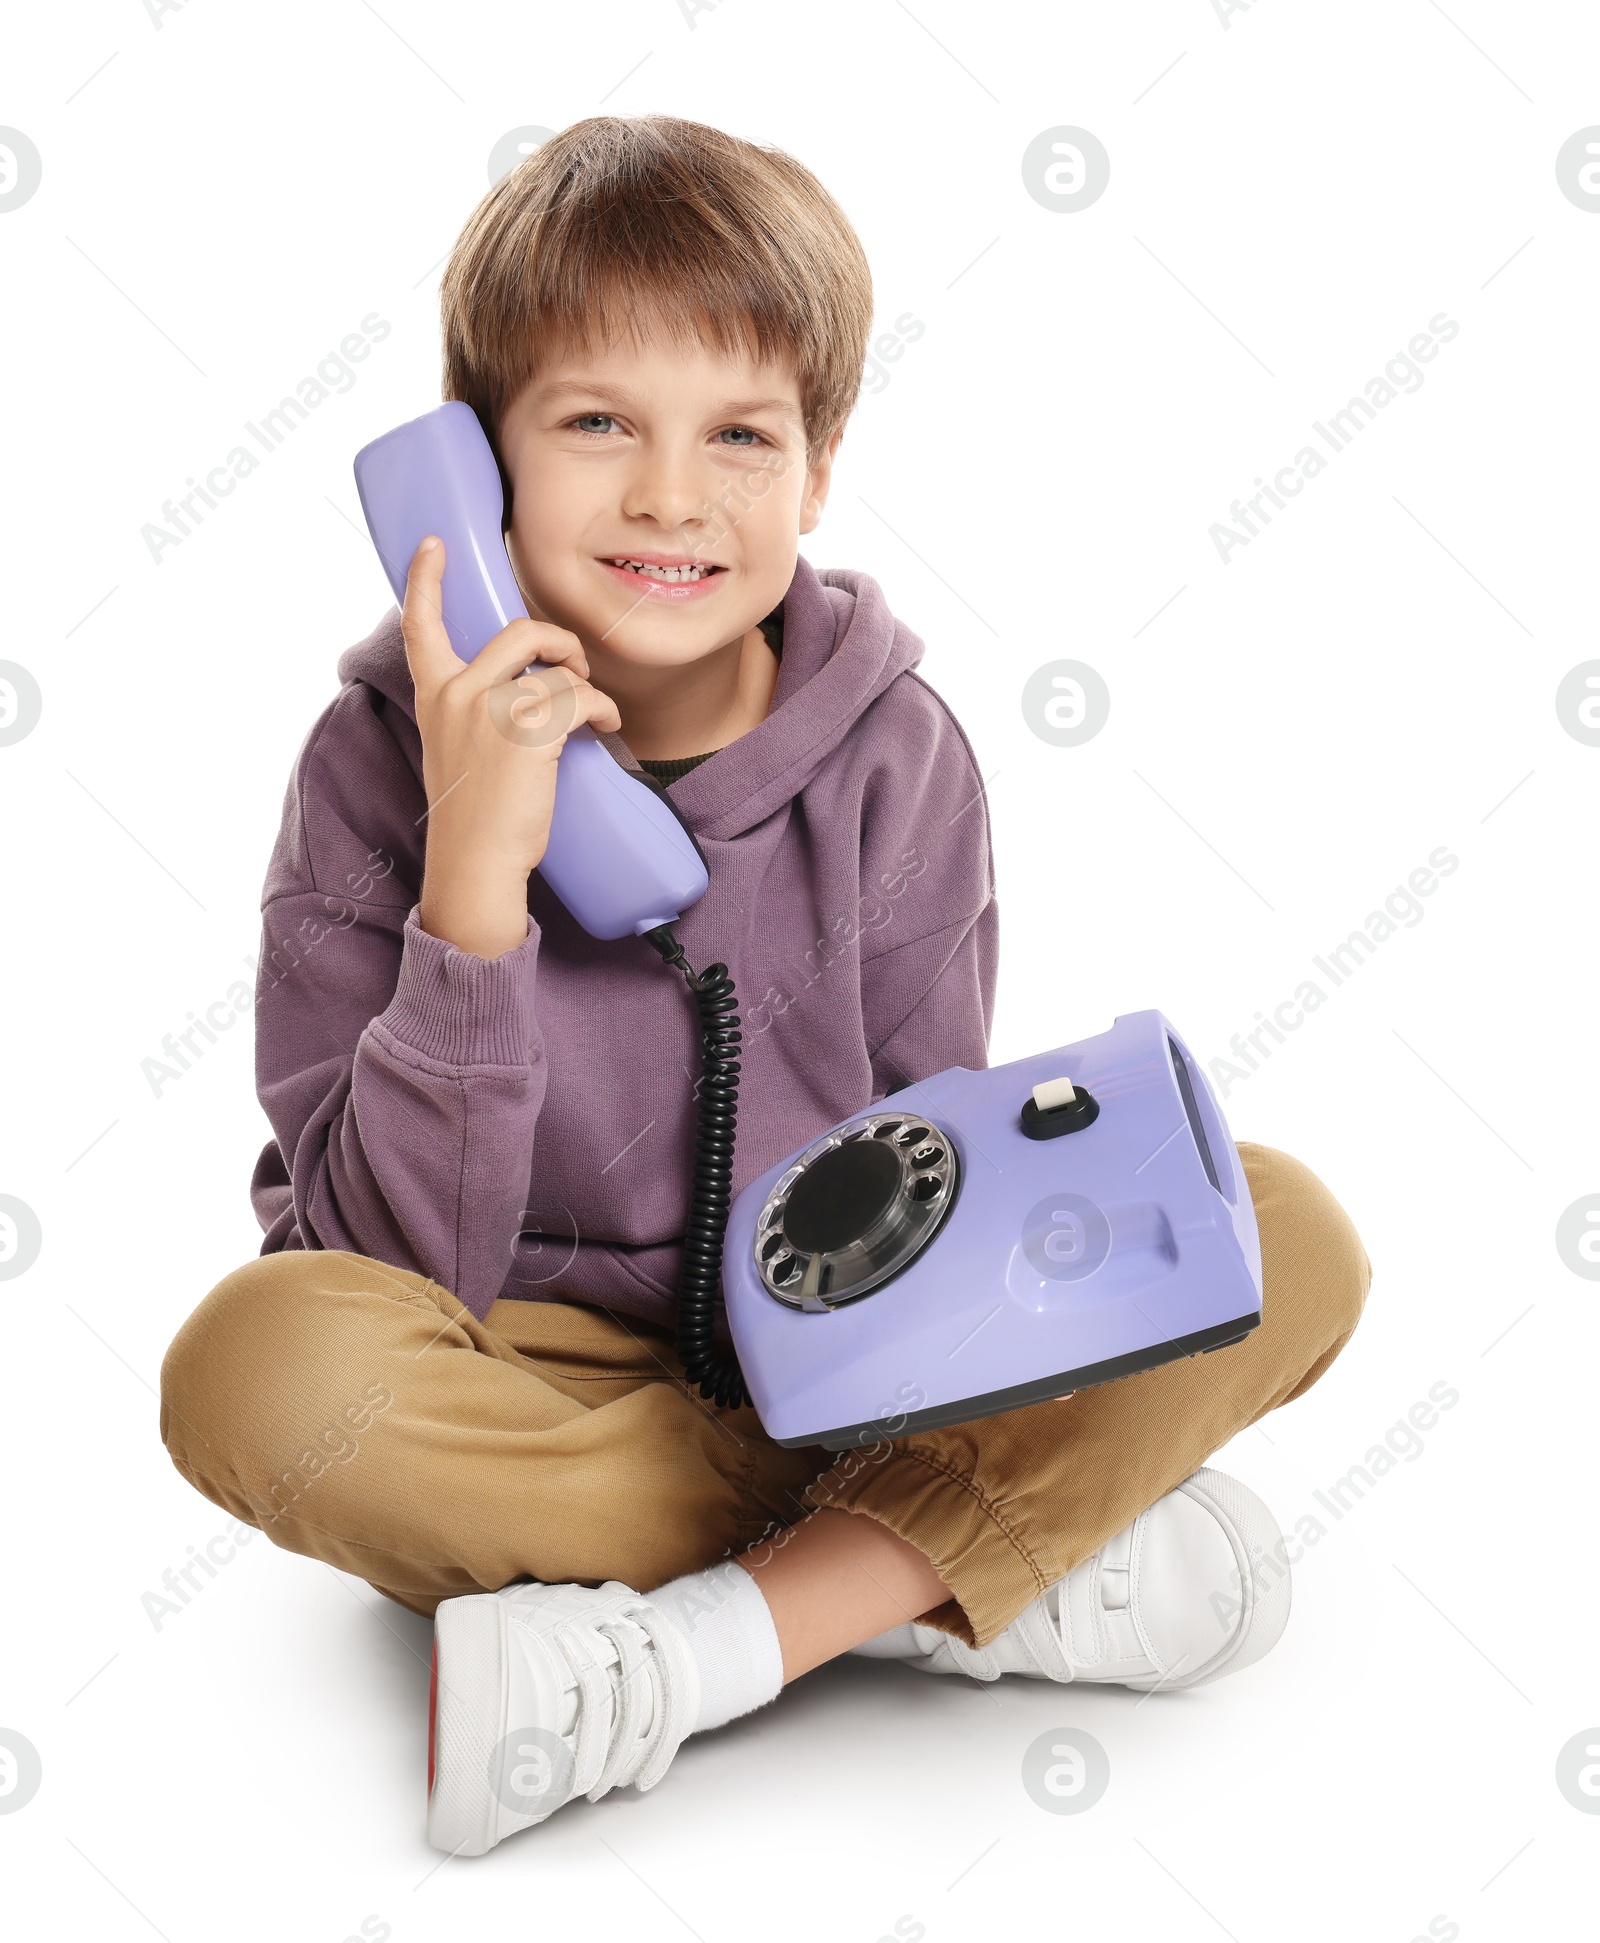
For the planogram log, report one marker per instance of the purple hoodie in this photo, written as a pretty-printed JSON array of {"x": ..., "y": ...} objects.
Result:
[{"x": 524, "y": 1126}]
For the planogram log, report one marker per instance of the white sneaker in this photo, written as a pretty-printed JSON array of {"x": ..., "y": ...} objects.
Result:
[
  {"x": 1197, "y": 1586},
  {"x": 541, "y": 1693}
]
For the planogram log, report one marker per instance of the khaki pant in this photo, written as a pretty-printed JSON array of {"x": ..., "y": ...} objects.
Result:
[{"x": 359, "y": 1414}]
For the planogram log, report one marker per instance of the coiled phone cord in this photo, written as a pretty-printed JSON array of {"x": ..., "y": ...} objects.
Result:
[{"x": 700, "y": 1282}]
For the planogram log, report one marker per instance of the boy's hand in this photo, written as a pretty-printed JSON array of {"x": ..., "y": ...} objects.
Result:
[
  {"x": 491, "y": 739},
  {"x": 491, "y": 735}
]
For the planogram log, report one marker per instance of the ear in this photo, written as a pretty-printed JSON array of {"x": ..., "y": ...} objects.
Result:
[{"x": 818, "y": 480}]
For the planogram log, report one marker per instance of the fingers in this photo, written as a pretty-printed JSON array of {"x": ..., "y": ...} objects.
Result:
[
  {"x": 432, "y": 656},
  {"x": 525, "y": 641},
  {"x": 554, "y": 657},
  {"x": 598, "y": 708},
  {"x": 428, "y": 651},
  {"x": 557, "y": 700}
]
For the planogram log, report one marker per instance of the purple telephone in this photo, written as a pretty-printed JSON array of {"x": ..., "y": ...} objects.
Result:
[
  {"x": 1060, "y": 1262},
  {"x": 983, "y": 1240}
]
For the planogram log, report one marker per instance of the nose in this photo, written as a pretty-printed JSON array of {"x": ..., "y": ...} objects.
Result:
[{"x": 670, "y": 483}]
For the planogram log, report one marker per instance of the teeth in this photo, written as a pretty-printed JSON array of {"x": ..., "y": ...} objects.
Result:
[{"x": 671, "y": 574}]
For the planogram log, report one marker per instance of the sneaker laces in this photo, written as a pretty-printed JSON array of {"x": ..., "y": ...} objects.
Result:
[{"x": 612, "y": 1697}]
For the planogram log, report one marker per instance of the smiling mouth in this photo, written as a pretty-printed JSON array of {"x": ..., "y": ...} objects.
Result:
[{"x": 681, "y": 576}]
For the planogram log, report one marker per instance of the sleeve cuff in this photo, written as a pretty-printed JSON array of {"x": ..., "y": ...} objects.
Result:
[{"x": 462, "y": 1010}]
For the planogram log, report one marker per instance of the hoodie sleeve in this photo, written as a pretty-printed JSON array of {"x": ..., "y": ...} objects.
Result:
[
  {"x": 928, "y": 992},
  {"x": 402, "y": 1077},
  {"x": 949, "y": 979}
]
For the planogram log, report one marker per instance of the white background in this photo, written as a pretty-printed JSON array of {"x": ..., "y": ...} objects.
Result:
[{"x": 1294, "y": 193}]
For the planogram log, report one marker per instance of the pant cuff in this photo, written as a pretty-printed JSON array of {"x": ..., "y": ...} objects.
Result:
[{"x": 946, "y": 1515}]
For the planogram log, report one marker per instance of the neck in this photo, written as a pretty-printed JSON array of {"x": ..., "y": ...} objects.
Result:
[{"x": 690, "y": 711}]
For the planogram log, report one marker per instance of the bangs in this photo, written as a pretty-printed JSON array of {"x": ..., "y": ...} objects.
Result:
[{"x": 654, "y": 230}]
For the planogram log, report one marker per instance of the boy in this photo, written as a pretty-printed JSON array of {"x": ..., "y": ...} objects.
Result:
[{"x": 451, "y": 1370}]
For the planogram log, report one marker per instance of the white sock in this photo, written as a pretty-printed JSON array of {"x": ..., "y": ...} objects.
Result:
[{"x": 728, "y": 1624}]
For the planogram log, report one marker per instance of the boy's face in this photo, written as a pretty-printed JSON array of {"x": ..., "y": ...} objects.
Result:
[{"x": 666, "y": 455}]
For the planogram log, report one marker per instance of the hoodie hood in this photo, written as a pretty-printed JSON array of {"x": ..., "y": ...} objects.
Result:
[{"x": 841, "y": 649}]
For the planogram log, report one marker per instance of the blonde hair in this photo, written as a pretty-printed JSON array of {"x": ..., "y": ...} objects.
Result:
[{"x": 631, "y": 225}]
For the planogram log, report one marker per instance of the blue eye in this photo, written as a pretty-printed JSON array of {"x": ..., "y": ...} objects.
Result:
[{"x": 606, "y": 418}]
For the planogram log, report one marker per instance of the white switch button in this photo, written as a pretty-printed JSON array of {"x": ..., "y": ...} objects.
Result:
[{"x": 1052, "y": 1093}]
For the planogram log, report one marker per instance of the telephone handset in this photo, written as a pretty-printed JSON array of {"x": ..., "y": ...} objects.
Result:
[{"x": 619, "y": 857}]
